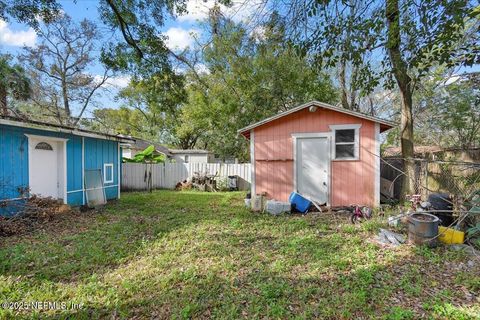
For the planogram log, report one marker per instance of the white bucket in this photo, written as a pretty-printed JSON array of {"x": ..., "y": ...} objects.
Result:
[{"x": 257, "y": 203}]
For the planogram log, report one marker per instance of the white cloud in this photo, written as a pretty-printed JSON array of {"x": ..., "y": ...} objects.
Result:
[
  {"x": 258, "y": 33},
  {"x": 115, "y": 82},
  {"x": 17, "y": 38},
  {"x": 202, "y": 68},
  {"x": 452, "y": 79},
  {"x": 179, "y": 38},
  {"x": 240, "y": 10}
]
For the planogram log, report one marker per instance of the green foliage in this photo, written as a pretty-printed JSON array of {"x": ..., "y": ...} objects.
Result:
[
  {"x": 448, "y": 110},
  {"x": 147, "y": 156},
  {"x": 142, "y": 51},
  {"x": 124, "y": 120},
  {"x": 250, "y": 77},
  {"x": 150, "y": 108},
  {"x": 399, "y": 313},
  {"x": 14, "y": 82},
  {"x": 29, "y": 12},
  {"x": 432, "y": 35}
]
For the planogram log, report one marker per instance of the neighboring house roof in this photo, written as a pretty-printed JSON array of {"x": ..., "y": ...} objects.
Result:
[
  {"x": 189, "y": 151},
  {"x": 385, "y": 124},
  {"x": 33, "y": 124},
  {"x": 141, "y": 144}
]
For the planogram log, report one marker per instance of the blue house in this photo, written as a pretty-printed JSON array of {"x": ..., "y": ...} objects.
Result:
[{"x": 51, "y": 161}]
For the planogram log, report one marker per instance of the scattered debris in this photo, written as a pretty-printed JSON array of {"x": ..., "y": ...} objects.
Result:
[
  {"x": 183, "y": 185},
  {"x": 466, "y": 248},
  {"x": 28, "y": 213},
  {"x": 423, "y": 229},
  {"x": 389, "y": 237},
  {"x": 257, "y": 202},
  {"x": 277, "y": 207},
  {"x": 450, "y": 235},
  {"x": 202, "y": 181},
  {"x": 299, "y": 202},
  {"x": 94, "y": 188},
  {"x": 395, "y": 221}
]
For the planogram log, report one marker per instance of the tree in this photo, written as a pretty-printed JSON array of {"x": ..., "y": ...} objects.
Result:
[
  {"x": 29, "y": 11},
  {"x": 251, "y": 76},
  {"x": 14, "y": 83},
  {"x": 449, "y": 111},
  {"x": 143, "y": 51},
  {"x": 411, "y": 39},
  {"x": 124, "y": 120},
  {"x": 150, "y": 109},
  {"x": 60, "y": 68}
]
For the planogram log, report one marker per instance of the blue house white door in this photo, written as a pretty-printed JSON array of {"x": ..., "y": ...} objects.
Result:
[{"x": 46, "y": 160}]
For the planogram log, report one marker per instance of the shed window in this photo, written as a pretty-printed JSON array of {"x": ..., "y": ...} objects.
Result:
[
  {"x": 108, "y": 173},
  {"x": 346, "y": 143},
  {"x": 186, "y": 158},
  {"x": 43, "y": 146}
]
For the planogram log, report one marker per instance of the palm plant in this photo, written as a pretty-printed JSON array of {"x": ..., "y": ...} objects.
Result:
[{"x": 149, "y": 157}]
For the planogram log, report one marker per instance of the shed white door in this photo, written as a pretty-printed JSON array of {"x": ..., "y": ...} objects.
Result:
[
  {"x": 313, "y": 165},
  {"x": 46, "y": 165}
]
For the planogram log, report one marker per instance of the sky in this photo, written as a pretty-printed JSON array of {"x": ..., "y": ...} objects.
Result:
[{"x": 181, "y": 33}]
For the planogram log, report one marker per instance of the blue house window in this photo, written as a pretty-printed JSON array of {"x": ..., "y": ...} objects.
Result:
[{"x": 108, "y": 173}]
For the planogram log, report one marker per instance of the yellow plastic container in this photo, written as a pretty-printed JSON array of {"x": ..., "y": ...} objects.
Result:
[{"x": 450, "y": 236}]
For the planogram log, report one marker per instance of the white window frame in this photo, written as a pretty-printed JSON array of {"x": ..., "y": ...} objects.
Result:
[
  {"x": 356, "y": 146},
  {"x": 105, "y": 166}
]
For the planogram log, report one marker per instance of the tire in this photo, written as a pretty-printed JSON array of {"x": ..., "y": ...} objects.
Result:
[{"x": 354, "y": 219}]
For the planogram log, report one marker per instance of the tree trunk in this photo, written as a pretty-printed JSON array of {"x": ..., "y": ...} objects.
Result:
[
  {"x": 3, "y": 100},
  {"x": 343, "y": 84},
  {"x": 400, "y": 71},
  {"x": 66, "y": 104}
]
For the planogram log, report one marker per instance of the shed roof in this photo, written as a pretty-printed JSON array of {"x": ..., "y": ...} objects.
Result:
[
  {"x": 33, "y": 124},
  {"x": 384, "y": 124}
]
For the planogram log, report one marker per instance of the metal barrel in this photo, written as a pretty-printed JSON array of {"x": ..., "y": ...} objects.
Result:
[{"x": 423, "y": 229}]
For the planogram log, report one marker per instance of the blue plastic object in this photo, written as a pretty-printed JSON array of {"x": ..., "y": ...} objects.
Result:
[{"x": 301, "y": 204}]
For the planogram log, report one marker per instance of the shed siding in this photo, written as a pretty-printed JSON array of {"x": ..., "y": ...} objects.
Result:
[
  {"x": 14, "y": 162},
  {"x": 352, "y": 182}
]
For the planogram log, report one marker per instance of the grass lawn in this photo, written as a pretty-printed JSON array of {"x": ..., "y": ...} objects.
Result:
[{"x": 203, "y": 255}]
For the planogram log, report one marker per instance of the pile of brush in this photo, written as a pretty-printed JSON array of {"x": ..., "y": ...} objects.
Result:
[
  {"x": 202, "y": 181},
  {"x": 22, "y": 216}
]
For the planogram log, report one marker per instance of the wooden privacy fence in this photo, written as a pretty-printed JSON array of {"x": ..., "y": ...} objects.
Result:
[{"x": 167, "y": 175}]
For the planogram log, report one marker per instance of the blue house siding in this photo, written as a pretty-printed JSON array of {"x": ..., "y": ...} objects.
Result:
[
  {"x": 14, "y": 162},
  {"x": 74, "y": 171},
  {"x": 97, "y": 154}
]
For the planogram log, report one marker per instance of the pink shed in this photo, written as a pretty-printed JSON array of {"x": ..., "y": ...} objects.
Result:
[{"x": 325, "y": 152}]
